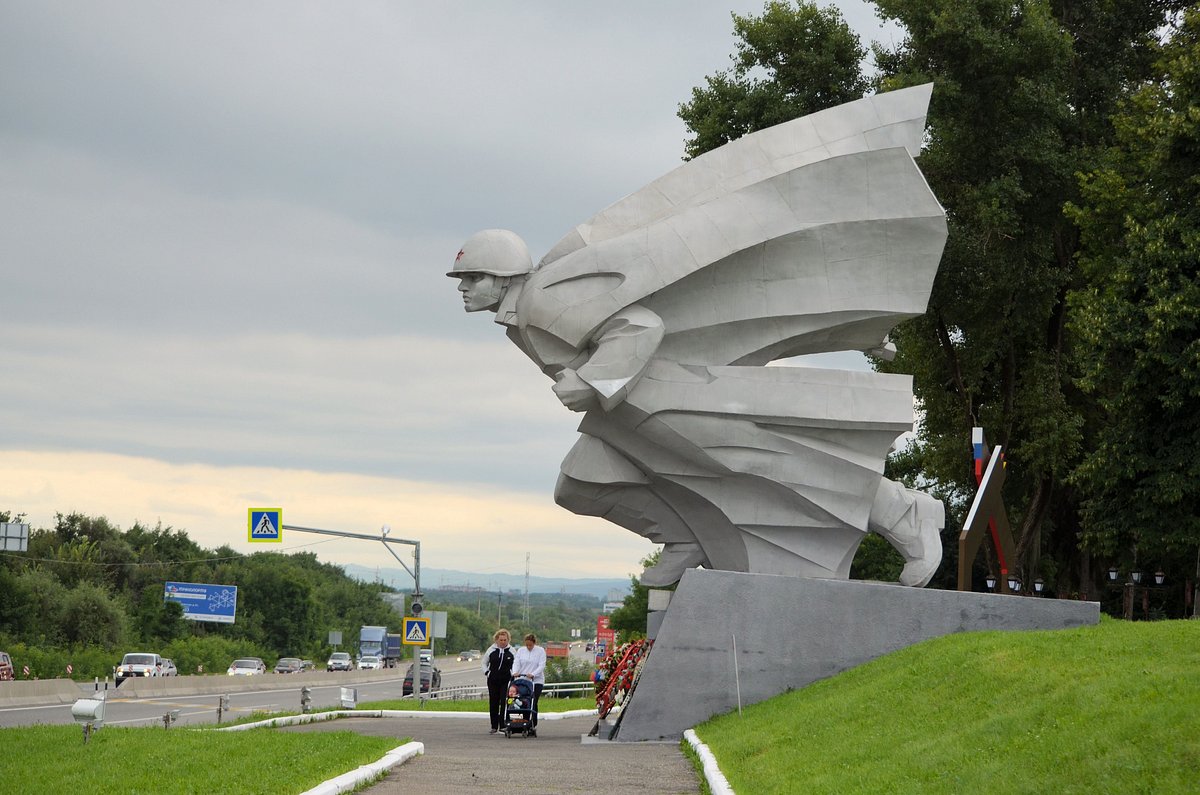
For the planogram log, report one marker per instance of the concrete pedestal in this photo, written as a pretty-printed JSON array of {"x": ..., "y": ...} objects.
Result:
[{"x": 791, "y": 631}]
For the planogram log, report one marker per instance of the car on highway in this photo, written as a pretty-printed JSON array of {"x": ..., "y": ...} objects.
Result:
[
  {"x": 470, "y": 654},
  {"x": 339, "y": 661},
  {"x": 431, "y": 679},
  {"x": 168, "y": 668},
  {"x": 369, "y": 662},
  {"x": 247, "y": 666},
  {"x": 307, "y": 665},
  {"x": 139, "y": 664},
  {"x": 7, "y": 671},
  {"x": 289, "y": 665}
]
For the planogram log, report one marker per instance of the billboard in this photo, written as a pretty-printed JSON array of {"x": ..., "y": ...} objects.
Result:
[
  {"x": 202, "y": 602},
  {"x": 14, "y": 537}
]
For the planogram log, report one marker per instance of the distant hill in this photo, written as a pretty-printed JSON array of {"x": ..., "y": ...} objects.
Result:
[{"x": 446, "y": 578}]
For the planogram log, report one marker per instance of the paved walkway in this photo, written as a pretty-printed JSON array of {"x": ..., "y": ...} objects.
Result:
[{"x": 460, "y": 754}]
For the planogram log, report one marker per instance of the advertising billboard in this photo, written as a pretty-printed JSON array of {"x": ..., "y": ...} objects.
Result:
[{"x": 203, "y": 602}]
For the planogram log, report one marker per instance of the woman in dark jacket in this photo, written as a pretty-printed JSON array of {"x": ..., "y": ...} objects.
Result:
[{"x": 497, "y": 667}]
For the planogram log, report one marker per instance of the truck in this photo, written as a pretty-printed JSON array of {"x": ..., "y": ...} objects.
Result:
[
  {"x": 557, "y": 648},
  {"x": 393, "y": 652},
  {"x": 371, "y": 640}
]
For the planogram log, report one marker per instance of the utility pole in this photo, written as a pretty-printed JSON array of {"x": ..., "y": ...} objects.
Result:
[
  {"x": 525, "y": 607},
  {"x": 499, "y": 601}
]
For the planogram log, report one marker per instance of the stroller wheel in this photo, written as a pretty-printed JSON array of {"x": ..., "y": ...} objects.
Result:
[
  {"x": 508, "y": 734},
  {"x": 533, "y": 732}
]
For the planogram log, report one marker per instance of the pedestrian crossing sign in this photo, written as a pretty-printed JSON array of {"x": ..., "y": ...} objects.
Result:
[
  {"x": 266, "y": 524},
  {"x": 416, "y": 631}
]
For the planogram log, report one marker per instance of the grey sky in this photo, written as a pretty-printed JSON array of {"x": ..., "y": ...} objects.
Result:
[{"x": 226, "y": 225}]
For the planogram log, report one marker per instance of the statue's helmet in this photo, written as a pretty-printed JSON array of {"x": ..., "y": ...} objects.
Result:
[{"x": 493, "y": 251}]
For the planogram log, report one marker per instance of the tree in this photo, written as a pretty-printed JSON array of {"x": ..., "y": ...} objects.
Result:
[
  {"x": 282, "y": 602},
  {"x": 36, "y": 610},
  {"x": 630, "y": 618},
  {"x": 159, "y": 619},
  {"x": 1138, "y": 317},
  {"x": 808, "y": 58},
  {"x": 91, "y": 617},
  {"x": 1024, "y": 94},
  {"x": 1024, "y": 97}
]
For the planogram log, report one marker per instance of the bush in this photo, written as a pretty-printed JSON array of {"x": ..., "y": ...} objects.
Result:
[
  {"x": 565, "y": 669},
  {"x": 87, "y": 662},
  {"x": 212, "y": 652}
]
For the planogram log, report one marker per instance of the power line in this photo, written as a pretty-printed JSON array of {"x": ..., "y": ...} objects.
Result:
[{"x": 20, "y": 556}]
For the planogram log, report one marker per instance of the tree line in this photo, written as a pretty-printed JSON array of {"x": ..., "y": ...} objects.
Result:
[
  {"x": 87, "y": 591},
  {"x": 1063, "y": 140}
]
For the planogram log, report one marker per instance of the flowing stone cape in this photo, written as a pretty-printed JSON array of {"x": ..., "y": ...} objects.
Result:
[{"x": 816, "y": 235}]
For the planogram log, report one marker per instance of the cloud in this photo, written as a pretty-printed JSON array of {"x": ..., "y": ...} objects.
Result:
[
  {"x": 226, "y": 229},
  {"x": 471, "y": 528}
]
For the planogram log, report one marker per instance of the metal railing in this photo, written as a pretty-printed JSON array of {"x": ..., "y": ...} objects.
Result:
[{"x": 462, "y": 692}]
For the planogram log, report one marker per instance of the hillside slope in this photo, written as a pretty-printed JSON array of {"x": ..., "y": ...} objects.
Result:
[{"x": 1111, "y": 708}]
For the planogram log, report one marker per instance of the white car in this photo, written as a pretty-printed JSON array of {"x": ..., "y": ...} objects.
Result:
[
  {"x": 168, "y": 668},
  {"x": 138, "y": 664},
  {"x": 369, "y": 662},
  {"x": 339, "y": 661},
  {"x": 247, "y": 666}
]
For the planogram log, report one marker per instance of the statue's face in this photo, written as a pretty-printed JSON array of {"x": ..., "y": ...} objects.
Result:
[{"x": 480, "y": 291}]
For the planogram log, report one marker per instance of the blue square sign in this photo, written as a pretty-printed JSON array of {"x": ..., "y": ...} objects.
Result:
[{"x": 266, "y": 525}]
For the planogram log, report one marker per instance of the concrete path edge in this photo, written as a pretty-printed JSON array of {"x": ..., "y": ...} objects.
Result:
[
  {"x": 397, "y": 756},
  {"x": 717, "y": 783},
  {"x": 367, "y": 773}
]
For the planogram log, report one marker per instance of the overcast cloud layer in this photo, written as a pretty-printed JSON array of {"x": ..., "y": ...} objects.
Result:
[{"x": 225, "y": 229}]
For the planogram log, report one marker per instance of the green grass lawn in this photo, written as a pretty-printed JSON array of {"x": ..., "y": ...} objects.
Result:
[
  {"x": 53, "y": 759},
  {"x": 1112, "y": 708}
]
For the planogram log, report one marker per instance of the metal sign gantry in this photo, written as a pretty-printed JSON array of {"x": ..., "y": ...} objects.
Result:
[{"x": 385, "y": 538}]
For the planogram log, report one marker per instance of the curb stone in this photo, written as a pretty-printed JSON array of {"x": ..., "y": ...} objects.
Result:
[
  {"x": 367, "y": 773},
  {"x": 717, "y": 783},
  {"x": 397, "y": 756}
]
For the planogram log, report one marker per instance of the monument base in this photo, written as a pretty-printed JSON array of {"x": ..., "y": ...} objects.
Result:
[{"x": 758, "y": 635}]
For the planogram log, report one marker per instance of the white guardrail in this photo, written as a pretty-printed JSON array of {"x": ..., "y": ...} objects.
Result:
[{"x": 555, "y": 690}]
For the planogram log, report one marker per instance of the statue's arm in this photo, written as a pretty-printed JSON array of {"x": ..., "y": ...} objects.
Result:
[{"x": 621, "y": 348}]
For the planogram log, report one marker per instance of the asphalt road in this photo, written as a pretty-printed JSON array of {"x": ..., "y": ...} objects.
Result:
[{"x": 247, "y": 695}]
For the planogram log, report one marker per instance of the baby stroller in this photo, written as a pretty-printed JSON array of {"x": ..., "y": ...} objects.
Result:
[{"x": 518, "y": 708}]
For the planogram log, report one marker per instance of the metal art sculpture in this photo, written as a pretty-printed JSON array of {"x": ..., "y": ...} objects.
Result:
[{"x": 657, "y": 316}]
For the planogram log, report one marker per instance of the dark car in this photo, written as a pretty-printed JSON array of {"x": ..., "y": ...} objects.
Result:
[
  {"x": 431, "y": 679},
  {"x": 288, "y": 665}
]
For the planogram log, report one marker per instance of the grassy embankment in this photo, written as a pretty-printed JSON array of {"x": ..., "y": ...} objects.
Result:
[
  {"x": 44, "y": 759},
  {"x": 1112, "y": 708}
]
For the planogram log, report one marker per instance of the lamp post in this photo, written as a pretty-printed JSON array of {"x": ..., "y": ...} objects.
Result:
[
  {"x": 1130, "y": 587},
  {"x": 991, "y": 582},
  {"x": 1014, "y": 584}
]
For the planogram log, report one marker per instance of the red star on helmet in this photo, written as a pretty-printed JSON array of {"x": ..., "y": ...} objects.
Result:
[{"x": 460, "y": 253}]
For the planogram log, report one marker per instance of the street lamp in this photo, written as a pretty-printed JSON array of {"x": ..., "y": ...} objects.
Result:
[
  {"x": 991, "y": 582},
  {"x": 1130, "y": 589},
  {"x": 1039, "y": 585},
  {"x": 1014, "y": 583}
]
